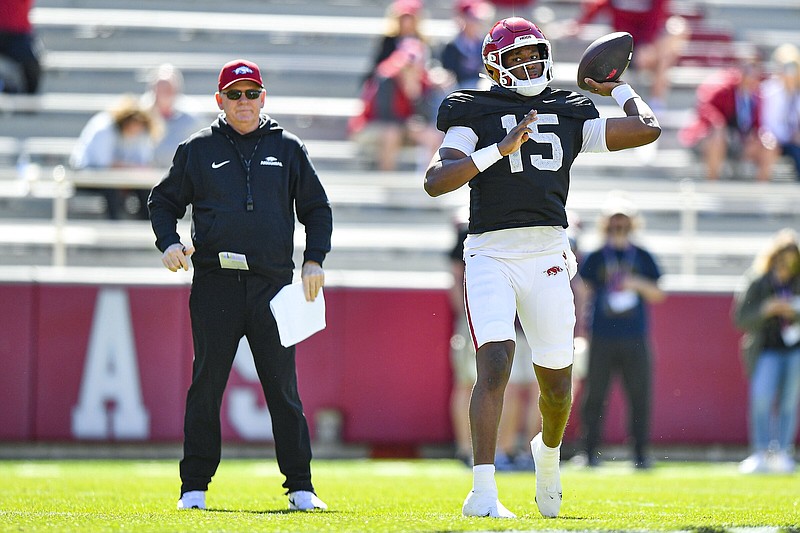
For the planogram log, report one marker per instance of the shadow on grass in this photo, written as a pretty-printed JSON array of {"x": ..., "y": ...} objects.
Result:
[{"x": 270, "y": 511}]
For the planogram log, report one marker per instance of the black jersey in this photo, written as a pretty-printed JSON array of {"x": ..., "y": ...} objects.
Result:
[{"x": 530, "y": 186}]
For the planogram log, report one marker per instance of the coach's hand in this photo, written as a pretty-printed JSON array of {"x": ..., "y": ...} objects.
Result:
[
  {"x": 313, "y": 279},
  {"x": 177, "y": 256}
]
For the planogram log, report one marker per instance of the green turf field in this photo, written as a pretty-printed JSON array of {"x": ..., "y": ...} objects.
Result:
[{"x": 389, "y": 495}]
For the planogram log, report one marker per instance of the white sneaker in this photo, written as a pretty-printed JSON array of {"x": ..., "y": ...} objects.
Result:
[
  {"x": 194, "y": 499},
  {"x": 304, "y": 500},
  {"x": 755, "y": 464},
  {"x": 782, "y": 463},
  {"x": 485, "y": 504},
  {"x": 548, "y": 480}
]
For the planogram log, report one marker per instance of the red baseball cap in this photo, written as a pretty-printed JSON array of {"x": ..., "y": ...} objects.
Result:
[{"x": 238, "y": 70}]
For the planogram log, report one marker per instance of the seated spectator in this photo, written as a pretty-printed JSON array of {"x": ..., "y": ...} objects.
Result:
[
  {"x": 19, "y": 45},
  {"x": 781, "y": 111},
  {"x": 462, "y": 55},
  {"x": 727, "y": 122},
  {"x": 398, "y": 104},
  {"x": 118, "y": 138},
  {"x": 163, "y": 100},
  {"x": 658, "y": 37},
  {"x": 403, "y": 21}
]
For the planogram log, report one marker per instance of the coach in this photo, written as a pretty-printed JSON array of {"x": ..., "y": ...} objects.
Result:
[{"x": 245, "y": 177}]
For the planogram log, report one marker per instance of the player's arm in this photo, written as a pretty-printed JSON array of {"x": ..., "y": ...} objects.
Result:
[
  {"x": 452, "y": 167},
  {"x": 638, "y": 128}
]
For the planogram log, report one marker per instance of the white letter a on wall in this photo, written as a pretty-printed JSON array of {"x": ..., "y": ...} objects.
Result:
[{"x": 110, "y": 400}]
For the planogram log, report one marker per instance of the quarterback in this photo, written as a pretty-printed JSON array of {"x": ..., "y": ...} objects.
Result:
[{"x": 514, "y": 145}]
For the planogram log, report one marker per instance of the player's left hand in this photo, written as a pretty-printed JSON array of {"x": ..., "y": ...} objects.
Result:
[
  {"x": 313, "y": 279},
  {"x": 604, "y": 88}
]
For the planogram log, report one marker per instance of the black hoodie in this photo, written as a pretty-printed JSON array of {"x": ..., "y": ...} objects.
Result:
[{"x": 232, "y": 212}]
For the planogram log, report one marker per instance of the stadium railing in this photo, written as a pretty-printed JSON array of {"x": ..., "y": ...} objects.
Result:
[{"x": 688, "y": 245}]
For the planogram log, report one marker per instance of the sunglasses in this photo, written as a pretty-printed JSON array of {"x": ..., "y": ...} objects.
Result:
[
  {"x": 619, "y": 227},
  {"x": 235, "y": 94}
]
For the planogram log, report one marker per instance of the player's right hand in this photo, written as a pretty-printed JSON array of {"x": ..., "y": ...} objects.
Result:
[
  {"x": 177, "y": 256},
  {"x": 602, "y": 88},
  {"x": 518, "y": 135}
]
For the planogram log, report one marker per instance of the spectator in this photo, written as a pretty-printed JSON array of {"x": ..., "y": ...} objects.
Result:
[
  {"x": 767, "y": 308},
  {"x": 727, "y": 122},
  {"x": 122, "y": 137},
  {"x": 247, "y": 180},
  {"x": 462, "y": 353},
  {"x": 622, "y": 279},
  {"x": 520, "y": 418},
  {"x": 520, "y": 414},
  {"x": 781, "y": 97},
  {"x": 462, "y": 54},
  {"x": 164, "y": 101},
  {"x": 19, "y": 44},
  {"x": 398, "y": 102},
  {"x": 403, "y": 21},
  {"x": 658, "y": 37}
]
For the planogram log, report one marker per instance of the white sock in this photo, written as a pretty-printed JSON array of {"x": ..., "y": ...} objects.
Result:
[
  {"x": 483, "y": 478},
  {"x": 553, "y": 454}
]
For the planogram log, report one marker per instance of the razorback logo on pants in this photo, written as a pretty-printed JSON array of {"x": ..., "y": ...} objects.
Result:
[{"x": 553, "y": 270}]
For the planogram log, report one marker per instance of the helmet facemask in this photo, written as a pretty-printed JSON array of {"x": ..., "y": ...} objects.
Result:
[{"x": 525, "y": 86}]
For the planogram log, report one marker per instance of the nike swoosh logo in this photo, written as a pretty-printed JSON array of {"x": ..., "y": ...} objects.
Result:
[{"x": 217, "y": 165}]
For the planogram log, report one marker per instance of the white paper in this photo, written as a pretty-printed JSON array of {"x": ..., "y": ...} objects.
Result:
[
  {"x": 233, "y": 260},
  {"x": 297, "y": 319}
]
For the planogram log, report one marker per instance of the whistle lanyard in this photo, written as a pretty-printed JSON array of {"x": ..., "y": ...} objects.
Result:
[
  {"x": 616, "y": 267},
  {"x": 246, "y": 165},
  {"x": 782, "y": 290}
]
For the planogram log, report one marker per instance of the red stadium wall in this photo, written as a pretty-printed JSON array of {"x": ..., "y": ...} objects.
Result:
[{"x": 110, "y": 363}]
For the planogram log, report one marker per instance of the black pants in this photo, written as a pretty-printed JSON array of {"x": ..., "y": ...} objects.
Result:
[
  {"x": 115, "y": 203},
  {"x": 631, "y": 359},
  {"x": 22, "y": 48},
  {"x": 225, "y": 306}
]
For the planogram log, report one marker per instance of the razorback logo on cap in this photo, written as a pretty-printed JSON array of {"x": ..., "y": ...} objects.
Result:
[{"x": 239, "y": 70}]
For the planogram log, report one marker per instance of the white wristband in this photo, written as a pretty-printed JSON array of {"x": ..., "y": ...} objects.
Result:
[
  {"x": 623, "y": 93},
  {"x": 486, "y": 157}
]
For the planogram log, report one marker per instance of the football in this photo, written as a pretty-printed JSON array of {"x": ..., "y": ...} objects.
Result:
[{"x": 606, "y": 58}]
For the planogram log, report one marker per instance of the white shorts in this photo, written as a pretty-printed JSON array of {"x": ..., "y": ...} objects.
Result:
[{"x": 535, "y": 286}]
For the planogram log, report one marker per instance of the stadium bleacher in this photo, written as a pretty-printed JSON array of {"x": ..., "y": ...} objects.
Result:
[{"x": 99, "y": 49}]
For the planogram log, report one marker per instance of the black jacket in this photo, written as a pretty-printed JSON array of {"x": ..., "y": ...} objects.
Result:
[{"x": 235, "y": 212}]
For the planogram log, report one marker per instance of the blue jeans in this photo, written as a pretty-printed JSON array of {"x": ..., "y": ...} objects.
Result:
[{"x": 774, "y": 399}]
